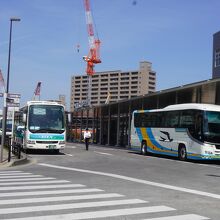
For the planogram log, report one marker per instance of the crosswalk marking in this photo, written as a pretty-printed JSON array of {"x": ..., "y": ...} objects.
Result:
[
  {"x": 18, "y": 186},
  {"x": 23, "y": 176},
  {"x": 60, "y": 198},
  {"x": 180, "y": 217},
  {"x": 34, "y": 182},
  {"x": 70, "y": 206},
  {"x": 51, "y": 192},
  {"x": 101, "y": 214},
  {"x": 40, "y": 187},
  {"x": 12, "y": 173},
  {"x": 26, "y": 179}
]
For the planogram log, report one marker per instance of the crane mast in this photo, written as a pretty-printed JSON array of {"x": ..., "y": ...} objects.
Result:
[{"x": 94, "y": 47}]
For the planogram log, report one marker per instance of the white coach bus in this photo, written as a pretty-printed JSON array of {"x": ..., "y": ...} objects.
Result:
[
  {"x": 43, "y": 126},
  {"x": 183, "y": 130}
]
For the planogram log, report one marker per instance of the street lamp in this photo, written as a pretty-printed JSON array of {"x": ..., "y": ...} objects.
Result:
[{"x": 6, "y": 94}]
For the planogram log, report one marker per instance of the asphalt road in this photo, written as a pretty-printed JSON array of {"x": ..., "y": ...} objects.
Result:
[{"x": 107, "y": 183}]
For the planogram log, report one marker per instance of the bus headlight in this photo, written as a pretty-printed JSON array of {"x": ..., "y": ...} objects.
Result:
[{"x": 62, "y": 142}]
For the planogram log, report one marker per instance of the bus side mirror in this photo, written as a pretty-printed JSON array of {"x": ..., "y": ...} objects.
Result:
[{"x": 24, "y": 118}]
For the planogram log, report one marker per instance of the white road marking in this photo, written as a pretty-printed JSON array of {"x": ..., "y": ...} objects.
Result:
[
  {"x": 27, "y": 179},
  {"x": 161, "y": 185},
  {"x": 73, "y": 147},
  {"x": 40, "y": 187},
  {"x": 21, "y": 176},
  {"x": 180, "y": 217},
  {"x": 51, "y": 192},
  {"x": 69, "y": 155},
  {"x": 34, "y": 182},
  {"x": 12, "y": 171},
  {"x": 59, "y": 198},
  {"x": 70, "y": 206},
  {"x": 17, "y": 174},
  {"x": 102, "y": 214},
  {"x": 103, "y": 153}
]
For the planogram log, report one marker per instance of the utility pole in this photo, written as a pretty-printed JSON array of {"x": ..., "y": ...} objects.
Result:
[{"x": 5, "y": 109}]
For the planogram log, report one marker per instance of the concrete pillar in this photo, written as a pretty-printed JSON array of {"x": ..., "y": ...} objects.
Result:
[
  {"x": 208, "y": 93},
  {"x": 109, "y": 124},
  {"x": 129, "y": 124},
  {"x": 93, "y": 125},
  {"x": 100, "y": 124},
  {"x": 118, "y": 127}
]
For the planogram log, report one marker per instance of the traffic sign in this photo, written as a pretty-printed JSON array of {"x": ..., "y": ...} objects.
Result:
[
  {"x": 13, "y": 95},
  {"x": 11, "y": 104}
]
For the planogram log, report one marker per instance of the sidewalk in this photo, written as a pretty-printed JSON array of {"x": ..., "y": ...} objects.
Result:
[{"x": 14, "y": 160}]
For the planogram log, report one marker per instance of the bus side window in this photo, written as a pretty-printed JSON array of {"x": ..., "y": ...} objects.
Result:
[
  {"x": 172, "y": 119},
  {"x": 199, "y": 126}
]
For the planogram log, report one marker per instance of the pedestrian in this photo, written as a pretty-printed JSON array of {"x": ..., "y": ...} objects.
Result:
[{"x": 87, "y": 136}]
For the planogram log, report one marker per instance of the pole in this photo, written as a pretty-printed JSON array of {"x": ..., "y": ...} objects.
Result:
[{"x": 5, "y": 109}]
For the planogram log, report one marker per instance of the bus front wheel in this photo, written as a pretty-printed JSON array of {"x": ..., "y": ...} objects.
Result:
[
  {"x": 144, "y": 148},
  {"x": 182, "y": 154}
]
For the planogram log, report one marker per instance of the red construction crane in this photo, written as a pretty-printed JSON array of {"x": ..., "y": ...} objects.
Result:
[{"x": 94, "y": 44}]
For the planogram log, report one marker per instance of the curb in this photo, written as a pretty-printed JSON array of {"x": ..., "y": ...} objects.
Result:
[{"x": 16, "y": 162}]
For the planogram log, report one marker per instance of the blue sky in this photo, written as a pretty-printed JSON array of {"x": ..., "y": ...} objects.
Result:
[{"x": 175, "y": 35}]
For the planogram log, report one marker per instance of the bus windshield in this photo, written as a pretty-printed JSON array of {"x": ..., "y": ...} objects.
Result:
[
  {"x": 212, "y": 126},
  {"x": 46, "y": 119}
]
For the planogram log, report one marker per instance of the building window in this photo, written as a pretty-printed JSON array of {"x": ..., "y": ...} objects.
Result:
[
  {"x": 151, "y": 87},
  {"x": 133, "y": 78},
  {"x": 114, "y": 84},
  {"x": 124, "y": 83},
  {"x": 95, "y": 80},
  {"x": 114, "y": 79},
  {"x": 134, "y": 73},
  {"x": 114, "y": 74},
  {"x": 124, "y": 74},
  {"x": 125, "y": 78},
  {"x": 133, "y": 92},
  {"x": 152, "y": 83},
  {"x": 104, "y": 80},
  {"x": 217, "y": 58},
  {"x": 152, "y": 73}
]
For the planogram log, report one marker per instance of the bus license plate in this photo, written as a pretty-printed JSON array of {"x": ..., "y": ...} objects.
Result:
[{"x": 52, "y": 146}]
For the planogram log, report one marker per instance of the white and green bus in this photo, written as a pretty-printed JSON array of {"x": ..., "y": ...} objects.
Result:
[
  {"x": 187, "y": 131},
  {"x": 43, "y": 126}
]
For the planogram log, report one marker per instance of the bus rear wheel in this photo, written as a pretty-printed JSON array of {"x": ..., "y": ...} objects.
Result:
[
  {"x": 144, "y": 148},
  {"x": 182, "y": 154}
]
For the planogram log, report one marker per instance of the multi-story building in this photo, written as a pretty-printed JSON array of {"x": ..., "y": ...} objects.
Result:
[
  {"x": 113, "y": 85},
  {"x": 62, "y": 99},
  {"x": 216, "y": 56}
]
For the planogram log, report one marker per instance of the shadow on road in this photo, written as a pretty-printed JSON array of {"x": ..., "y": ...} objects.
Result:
[
  {"x": 214, "y": 162},
  {"x": 44, "y": 152}
]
